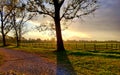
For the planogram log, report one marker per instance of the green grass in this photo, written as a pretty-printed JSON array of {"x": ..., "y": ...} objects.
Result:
[
  {"x": 86, "y": 62},
  {"x": 95, "y": 64}
]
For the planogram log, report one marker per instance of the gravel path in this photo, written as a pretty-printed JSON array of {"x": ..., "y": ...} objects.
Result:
[{"x": 29, "y": 64}]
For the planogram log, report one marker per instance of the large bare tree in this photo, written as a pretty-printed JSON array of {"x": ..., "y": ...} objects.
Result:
[
  {"x": 5, "y": 12},
  {"x": 59, "y": 10},
  {"x": 19, "y": 17},
  {"x": 21, "y": 28}
]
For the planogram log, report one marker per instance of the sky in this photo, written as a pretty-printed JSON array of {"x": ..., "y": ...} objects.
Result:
[{"x": 103, "y": 24}]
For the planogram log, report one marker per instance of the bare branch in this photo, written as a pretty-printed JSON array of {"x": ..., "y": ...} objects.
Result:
[
  {"x": 8, "y": 14},
  {"x": 61, "y": 3},
  {"x": 37, "y": 6},
  {"x": 78, "y": 8}
]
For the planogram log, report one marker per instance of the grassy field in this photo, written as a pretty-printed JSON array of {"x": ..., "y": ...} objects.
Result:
[{"x": 82, "y": 62}]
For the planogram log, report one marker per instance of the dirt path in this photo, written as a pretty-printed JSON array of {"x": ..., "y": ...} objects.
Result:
[{"x": 27, "y": 63}]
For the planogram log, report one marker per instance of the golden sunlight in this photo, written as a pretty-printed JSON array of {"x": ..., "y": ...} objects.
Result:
[
  {"x": 67, "y": 35},
  {"x": 72, "y": 35}
]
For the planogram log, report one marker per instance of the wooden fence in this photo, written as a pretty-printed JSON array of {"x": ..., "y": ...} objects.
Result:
[{"x": 79, "y": 46}]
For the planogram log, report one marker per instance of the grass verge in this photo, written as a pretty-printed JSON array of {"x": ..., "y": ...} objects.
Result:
[{"x": 91, "y": 62}]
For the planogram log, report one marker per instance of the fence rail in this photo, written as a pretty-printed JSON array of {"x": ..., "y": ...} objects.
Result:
[{"x": 84, "y": 46}]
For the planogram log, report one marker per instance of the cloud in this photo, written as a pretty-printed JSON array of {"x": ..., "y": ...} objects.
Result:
[{"x": 105, "y": 25}]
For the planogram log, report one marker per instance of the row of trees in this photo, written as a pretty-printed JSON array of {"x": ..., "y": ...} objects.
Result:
[
  {"x": 58, "y": 10},
  {"x": 13, "y": 18}
]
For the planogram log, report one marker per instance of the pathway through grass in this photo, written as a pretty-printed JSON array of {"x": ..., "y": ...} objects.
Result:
[
  {"x": 90, "y": 62},
  {"x": 29, "y": 64}
]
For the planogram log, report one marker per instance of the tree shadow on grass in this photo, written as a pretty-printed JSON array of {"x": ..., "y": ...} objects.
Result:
[
  {"x": 98, "y": 54},
  {"x": 64, "y": 66},
  {"x": 108, "y": 52}
]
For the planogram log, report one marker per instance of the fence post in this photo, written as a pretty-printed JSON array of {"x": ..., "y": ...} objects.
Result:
[
  {"x": 76, "y": 45},
  {"x": 106, "y": 46},
  {"x": 84, "y": 46},
  {"x": 111, "y": 46},
  {"x": 95, "y": 47},
  {"x": 119, "y": 46},
  {"x": 116, "y": 46},
  {"x": 39, "y": 45}
]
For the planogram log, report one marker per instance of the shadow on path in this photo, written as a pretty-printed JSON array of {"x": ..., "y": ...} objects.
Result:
[{"x": 64, "y": 66}]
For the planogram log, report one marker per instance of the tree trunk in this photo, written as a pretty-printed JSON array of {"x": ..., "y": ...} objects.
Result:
[
  {"x": 17, "y": 37},
  {"x": 2, "y": 30},
  {"x": 3, "y": 35},
  {"x": 60, "y": 45},
  {"x": 15, "y": 27},
  {"x": 17, "y": 41},
  {"x": 3, "y": 39},
  {"x": 20, "y": 34}
]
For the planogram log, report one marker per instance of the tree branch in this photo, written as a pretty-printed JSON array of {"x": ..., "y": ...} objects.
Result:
[
  {"x": 8, "y": 14},
  {"x": 61, "y": 3},
  {"x": 40, "y": 12},
  {"x": 78, "y": 8}
]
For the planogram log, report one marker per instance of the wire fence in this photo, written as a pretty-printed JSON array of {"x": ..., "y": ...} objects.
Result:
[{"x": 78, "y": 46}]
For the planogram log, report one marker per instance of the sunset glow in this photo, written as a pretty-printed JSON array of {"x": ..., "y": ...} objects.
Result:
[
  {"x": 103, "y": 25},
  {"x": 72, "y": 35}
]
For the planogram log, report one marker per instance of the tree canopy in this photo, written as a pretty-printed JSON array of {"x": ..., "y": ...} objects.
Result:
[
  {"x": 69, "y": 9},
  {"x": 62, "y": 10}
]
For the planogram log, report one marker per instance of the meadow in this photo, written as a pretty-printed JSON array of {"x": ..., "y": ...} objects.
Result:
[{"x": 82, "y": 58}]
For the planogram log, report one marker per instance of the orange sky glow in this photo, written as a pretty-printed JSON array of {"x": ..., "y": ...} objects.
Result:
[{"x": 103, "y": 24}]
